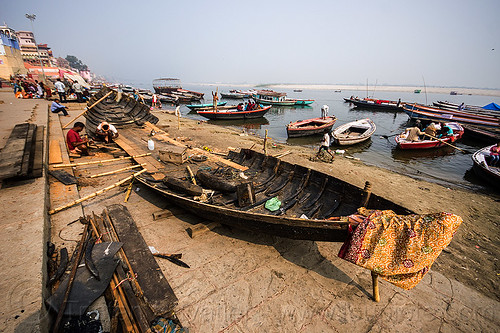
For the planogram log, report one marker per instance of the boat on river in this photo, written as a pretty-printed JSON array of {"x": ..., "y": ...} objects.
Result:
[
  {"x": 354, "y": 132},
  {"x": 234, "y": 94},
  {"x": 202, "y": 106},
  {"x": 417, "y": 111},
  {"x": 172, "y": 87},
  {"x": 378, "y": 104},
  {"x": 483, "y": 169},
  {"x": 308, "y": 127},
  {"x": 429, "y": 143},
  {"x": 312, "y": 205},
  {"x": 270, "y": 97},
  {"x": 233, "y": 114}
]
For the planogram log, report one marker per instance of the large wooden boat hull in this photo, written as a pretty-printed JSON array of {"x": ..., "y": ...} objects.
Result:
[
  {"x": 458, "y": 131},
  {"x": 354, "y": 132},
  {"x": 228, "y": 115},
  {"x": 315, "y": 193},
  {"x": 309, "y": 127},
  {"x": 121, "y": 114},
  {"x": 416, "y": 111},
  {"x": 483, "y": 170}
]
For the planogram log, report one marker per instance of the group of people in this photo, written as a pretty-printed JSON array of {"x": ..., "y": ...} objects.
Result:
[
  {"x": 248, "y": 106},
  {"x": 432, "y": 131},
  {"x": 24, "y": 88}
]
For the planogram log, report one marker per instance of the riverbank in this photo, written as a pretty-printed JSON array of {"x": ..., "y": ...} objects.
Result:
[
  {"x": 471, "y": 258},
  {"x": 362, "y": 89}
]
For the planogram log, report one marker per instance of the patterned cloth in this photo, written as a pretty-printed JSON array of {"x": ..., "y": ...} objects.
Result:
[{"x": 400, "y": 248}]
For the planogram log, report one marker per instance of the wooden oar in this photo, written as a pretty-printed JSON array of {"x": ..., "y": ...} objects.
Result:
[
  {"x": 388, "y": 136},
  {"x": 462, "y": 150}
]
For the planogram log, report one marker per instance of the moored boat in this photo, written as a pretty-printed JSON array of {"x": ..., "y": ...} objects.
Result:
[
  {"x": 234, "y": 114},
  {"x": 310, "y": 126},
  {"x": 429, "y": 143},
  {"x": 234, "y": 94},
  {"x": 270, "y": 97},
  {"x": 172, "y": 87},
  {"x": 273, "y": 197},
  {"x": 378, "y": 104},
  {"x": 417, "y": 111},
  {"x": 354, "y": 132},
  {"x": 303, "y": 101},
  {"x": 201, "y": 106},
  {"x": 483, "y": 169}
]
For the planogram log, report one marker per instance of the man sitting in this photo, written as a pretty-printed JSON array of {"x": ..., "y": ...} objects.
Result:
[
  {"x": 76, "y": 144},
  {"x": 56, "y": 107},
  {"x": 106, "y": 132}
]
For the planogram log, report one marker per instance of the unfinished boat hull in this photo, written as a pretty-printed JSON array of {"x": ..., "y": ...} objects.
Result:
[{"x": 326, "y": 199}]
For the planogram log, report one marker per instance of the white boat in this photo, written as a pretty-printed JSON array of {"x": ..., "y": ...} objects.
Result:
[
  {"x": 483, "y": 169},
  {"x": 353, "y": 132}
]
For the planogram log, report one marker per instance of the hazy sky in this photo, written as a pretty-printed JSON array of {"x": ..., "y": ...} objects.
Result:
[{"x": 447, "y": 42}]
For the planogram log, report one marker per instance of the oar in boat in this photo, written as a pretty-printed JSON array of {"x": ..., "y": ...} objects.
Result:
[{"x": 462, "y": 150}]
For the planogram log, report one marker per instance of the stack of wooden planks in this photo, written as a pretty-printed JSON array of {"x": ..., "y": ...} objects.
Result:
[{"x": 22, "y": 156}]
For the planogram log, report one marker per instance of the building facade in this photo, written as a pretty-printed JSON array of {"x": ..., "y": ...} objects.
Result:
[
  {"x": 11, "y": 61},
  {"x": 29, "y": 51}
]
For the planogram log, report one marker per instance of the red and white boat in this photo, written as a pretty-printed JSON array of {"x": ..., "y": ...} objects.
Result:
[
  {"x": 457, "y": 129},
  {"x": 310, "y": 126}
]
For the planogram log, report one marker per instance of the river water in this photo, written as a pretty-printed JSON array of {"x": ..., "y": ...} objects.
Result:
[{"x": 446, "y": 166}]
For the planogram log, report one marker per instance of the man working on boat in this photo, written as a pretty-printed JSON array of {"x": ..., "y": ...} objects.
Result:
[
  {"x": 76, "y": 144},
  {"x": 106, "y": 132},
  {"x": 325, "y": 145},
  {"x": 324, "y": 111}
]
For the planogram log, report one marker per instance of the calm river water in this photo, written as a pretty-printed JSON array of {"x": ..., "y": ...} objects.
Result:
[{"x": 446, "y": 166}]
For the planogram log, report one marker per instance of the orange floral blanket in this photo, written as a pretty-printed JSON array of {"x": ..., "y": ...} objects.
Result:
[{"x": 400, "y": 248}]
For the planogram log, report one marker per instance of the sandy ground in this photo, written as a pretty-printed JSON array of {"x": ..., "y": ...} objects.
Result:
[{"x": 471, "y": 258}]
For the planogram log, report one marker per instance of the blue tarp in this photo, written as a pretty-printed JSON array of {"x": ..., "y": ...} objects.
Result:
[{"x": 492, "y": 106}]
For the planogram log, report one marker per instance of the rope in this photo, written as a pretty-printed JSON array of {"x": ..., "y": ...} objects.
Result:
[{"x": 128, "y": 278}]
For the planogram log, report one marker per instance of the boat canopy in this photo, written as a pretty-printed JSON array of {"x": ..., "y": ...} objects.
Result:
[{"x": 492, "y": 106}]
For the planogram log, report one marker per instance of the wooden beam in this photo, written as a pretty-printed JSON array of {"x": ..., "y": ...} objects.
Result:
[
  {"x": 201, "y": 229},
  {"x": 99, "y": 162},
  {"x": 90, "y": 107}
]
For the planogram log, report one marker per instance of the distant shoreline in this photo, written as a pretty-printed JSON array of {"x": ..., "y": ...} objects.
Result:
[{"x": 406, "y": 89}]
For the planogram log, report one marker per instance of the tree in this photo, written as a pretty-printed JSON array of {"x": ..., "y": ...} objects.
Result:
[{"x": 74, "y": 62}]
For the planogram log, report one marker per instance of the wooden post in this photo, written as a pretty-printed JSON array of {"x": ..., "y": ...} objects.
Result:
[
  {"x": 191, "y": 175},
  {"x": 265, "y": 143},
  {"x": 76, "y": 202},
  {"x": 376, "y": 294},
  {"x": 99, "y": 162},
  {"x": 178, "y": 112},
  {"x": 90, "y": 107},
  {"x": 129, "y": 190},
  {"x": 366, "y": 195},
  {"x": 119, "y": 170}
]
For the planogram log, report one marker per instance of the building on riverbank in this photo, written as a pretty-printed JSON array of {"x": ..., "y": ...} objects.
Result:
[{"x": 11, "y": 61}]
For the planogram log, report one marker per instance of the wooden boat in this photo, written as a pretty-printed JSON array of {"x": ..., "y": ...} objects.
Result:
[
  {"x": 354, "y": 132},
  {"x": 417, "y": 91},
  {"x": 314, "y": 205},
  {"x": 429, "y": 143},
  {"x": 201, "y": 106},
  {"x": 310, "y": 126},
  {"x": 474, "y": 109},
  {"x": 219, "y": 108},
  {"x": 297, "y": 90},
  {"x": 233, "y": 94},
  {"x": 378, "y": 104},
  {"x": 270, "y": 97},
  {"x": 482, "y": 134},
  {"x": 303, "y": 101},
  {"x": 172, "y": 87},
  {"x": 230, "y": 114},
  {"x": 417, "y": 111},
  {"x": 121, "y": 114},
  {"x": 482, "y": 169}
]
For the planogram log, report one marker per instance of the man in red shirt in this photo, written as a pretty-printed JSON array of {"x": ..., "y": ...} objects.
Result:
[{"x": 76, "y": 144}]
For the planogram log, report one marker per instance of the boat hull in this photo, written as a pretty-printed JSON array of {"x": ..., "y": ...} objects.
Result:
[
  {"x": 458, "y": 131},
  {"x": 377, "y": 106},
  {"x": 228, "y": 115},
  {"x": 309, "y": 127},
  {"x": 483, "y": 170},
  {"x": 354, "y": 132},
  {"x": 200, "y": 106}
]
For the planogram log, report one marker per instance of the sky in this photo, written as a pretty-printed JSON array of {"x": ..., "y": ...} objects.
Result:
[{"x": 387, "y": 42}]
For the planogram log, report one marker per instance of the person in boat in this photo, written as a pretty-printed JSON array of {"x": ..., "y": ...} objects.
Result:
[
  {"x": 324, "y": 111},
  {"x": 76, "y": 144},
  {"x": 245, "y": 108},
  {"x": 399, "y": 103},
  {"x": 431, "y": 131},
  {"x": 495, "y": 155},
  {"x": 461, "y": 107},
  {"x": 106, "y": 132},
  {"x": 412, "y": 134},
  {"x": 419, "y": 124},
  {"x": 136, "y": 95},
  {"x": 445, "y": 131},
  {"x": 325, "y": 145},
  {"x": 240, "y": 107}
]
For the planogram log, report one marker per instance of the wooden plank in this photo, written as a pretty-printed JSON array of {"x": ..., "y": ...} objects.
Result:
[
  {"x": 132, "y": 149},
  {"x": 162, "y": 135},
  {"x": 156, "y": 290},
  {"x": 168, "y": 212},
  {"x": 28, "y": 150},
  {"x": 37, "y": 167},
  {"x": 11, "y": 156},
  {"x": 55, "y": 153}
]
